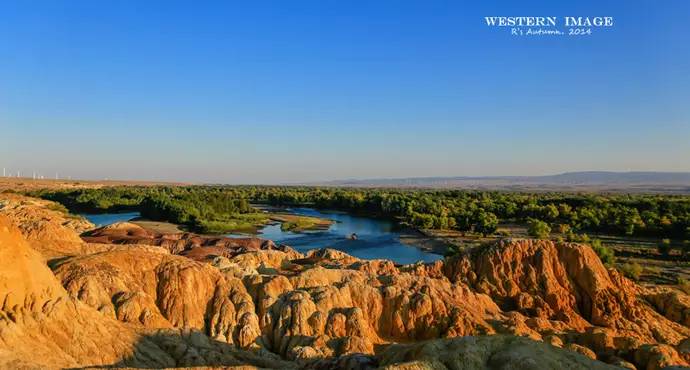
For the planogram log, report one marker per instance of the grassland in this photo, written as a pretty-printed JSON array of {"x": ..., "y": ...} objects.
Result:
[{"x": 298, "y": 223}]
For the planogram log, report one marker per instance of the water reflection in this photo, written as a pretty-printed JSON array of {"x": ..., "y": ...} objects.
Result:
[
  {"x": 110, "y": 218},
  {"x": 375, "y": 238}
]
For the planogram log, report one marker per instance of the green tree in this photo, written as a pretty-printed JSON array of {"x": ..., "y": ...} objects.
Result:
[
  {"x": 538, "y": 229},
  {"x": 550, "y": 212},
  {"x": 487, "y": 223}
]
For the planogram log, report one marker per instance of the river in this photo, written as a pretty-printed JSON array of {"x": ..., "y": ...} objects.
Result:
[
  {"x": 103, "y": 219},
  {"x": 376, "y": 238}
]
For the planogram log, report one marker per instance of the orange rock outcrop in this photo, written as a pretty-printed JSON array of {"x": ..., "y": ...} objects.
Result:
[{"x": 153, "y": 300}]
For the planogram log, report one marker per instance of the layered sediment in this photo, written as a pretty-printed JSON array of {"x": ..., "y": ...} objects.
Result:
[{"x": 124, "y": 296}]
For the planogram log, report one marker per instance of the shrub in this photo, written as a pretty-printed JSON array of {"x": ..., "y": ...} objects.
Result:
[
  {"x": 503, "y": 233},
  {"x": 57, "y": 207},
  {"x": 606, "y": 254},
  {"x": 538, "y": 229},
  {"x": 453, "y": 250},
  {"x": 632, "y": 270},
  {"x": 564, "y": 228},
  {"x": 580, "y": 238},
  {"x": 222, "y": 227},
  {"x": 664, "y": 248},
  {"x": 459, "y": 249}
]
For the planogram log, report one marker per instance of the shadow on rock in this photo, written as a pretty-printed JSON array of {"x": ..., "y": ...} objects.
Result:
[{"x": 185, "y": 348}]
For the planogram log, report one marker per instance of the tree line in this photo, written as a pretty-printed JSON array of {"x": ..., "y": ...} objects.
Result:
[
  {"x": 200, "y": 209},
  {"x": 658, "y": 216}
]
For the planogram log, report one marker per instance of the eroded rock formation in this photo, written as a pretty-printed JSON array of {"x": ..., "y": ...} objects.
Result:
[
  {"x": 185, "y": 300},
  {"x": 195, "y": 246}
]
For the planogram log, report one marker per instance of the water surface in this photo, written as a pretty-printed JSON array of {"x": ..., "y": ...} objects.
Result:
[
  {"x": 375, "y": 238},
  {"x": 104, "y": 219}
]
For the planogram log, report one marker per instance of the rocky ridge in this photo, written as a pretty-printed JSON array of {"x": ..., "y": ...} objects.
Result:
[{"x": 126, "y": 297}]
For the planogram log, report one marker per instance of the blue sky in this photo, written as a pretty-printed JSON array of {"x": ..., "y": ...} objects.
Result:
[{"x": 286, "y": 91}]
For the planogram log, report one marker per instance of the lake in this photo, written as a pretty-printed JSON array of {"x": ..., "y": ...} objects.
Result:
[{"x": 376, "y": 238}]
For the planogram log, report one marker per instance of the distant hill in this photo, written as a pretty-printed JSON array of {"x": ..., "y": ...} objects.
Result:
[{"x": 575, "y": 181}]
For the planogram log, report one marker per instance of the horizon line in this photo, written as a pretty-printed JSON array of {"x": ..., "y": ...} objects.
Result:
[{"x": 345, "y": 180}]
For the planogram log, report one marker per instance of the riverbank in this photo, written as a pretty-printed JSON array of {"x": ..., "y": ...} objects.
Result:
[
  {"x": 158, "y": 226},
  {"x": 305, "y": 229},
  {"x": 429, "y": 243},
  {"x": 297, "y": 223}
]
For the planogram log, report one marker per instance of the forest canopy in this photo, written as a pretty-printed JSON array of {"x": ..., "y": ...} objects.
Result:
[{"x": 660, "y": 216}]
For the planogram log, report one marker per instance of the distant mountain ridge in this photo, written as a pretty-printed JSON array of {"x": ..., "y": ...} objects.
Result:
[
  {"x": 585, "y": 180},
  {"x": 621, "y": 177}
]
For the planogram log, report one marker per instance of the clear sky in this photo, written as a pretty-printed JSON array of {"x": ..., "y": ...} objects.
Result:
[{"x": 289, "y": 91}]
